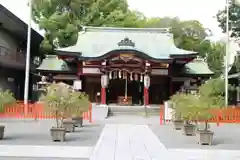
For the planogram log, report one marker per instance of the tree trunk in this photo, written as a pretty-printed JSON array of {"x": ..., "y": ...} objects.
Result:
[{"x": 205, "y": 126}]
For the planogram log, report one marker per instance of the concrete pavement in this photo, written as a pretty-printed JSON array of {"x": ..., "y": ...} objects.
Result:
[{"x": 129, "y": 142}]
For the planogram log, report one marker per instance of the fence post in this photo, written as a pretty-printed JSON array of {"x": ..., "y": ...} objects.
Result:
[
  {"x": 90, "y": 113},
  {"x": 218, "y": 118},
  {"x": 161, "y": 112},
  {"x": 25, "y": 110}
]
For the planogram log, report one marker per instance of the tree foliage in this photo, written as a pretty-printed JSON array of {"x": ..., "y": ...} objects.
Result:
[
  {"x": 215, "y": 58},
  {"x": 63, "y": 19},
  {"x": 234, "y": 25},
  {"x": 189, "y": 35},
  {"x": 234, "y": 19},
  {"x": 6, "y": 98},
  {"x": 63, "y": 101}
]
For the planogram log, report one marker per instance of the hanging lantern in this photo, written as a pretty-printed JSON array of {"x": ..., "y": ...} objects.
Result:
[
  {"x": 136, "y": 77},
  {"x": 125, "y": 75},
  {"x": 110, "y": 75},
  {"x": 119, "y": 74},
  {"x": 116, "y": 74},
  {"x": 141, "y": 78},
  {"x": 104, "y": 81},
  {"x": 131, "y": 76},
  {"x": 146, "y": 81}
]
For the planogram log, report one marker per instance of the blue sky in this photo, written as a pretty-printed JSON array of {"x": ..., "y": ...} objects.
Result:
[{"x": 202, "y": 10}]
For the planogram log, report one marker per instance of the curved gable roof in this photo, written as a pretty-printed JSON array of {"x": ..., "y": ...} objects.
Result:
[{"x": 157, "y": 43}]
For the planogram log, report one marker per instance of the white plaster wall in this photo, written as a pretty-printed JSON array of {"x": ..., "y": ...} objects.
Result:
[{"x": 7, "y": 41}]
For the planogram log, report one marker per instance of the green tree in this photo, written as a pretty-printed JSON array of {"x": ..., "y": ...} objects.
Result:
[
  {"x": 63, "y": 19},
  {"x": 189, "y": 35},
  {"x": 234, "y": 19},
  {"x": 234, "y": 25},
  {"x": 215, "y": 58}
]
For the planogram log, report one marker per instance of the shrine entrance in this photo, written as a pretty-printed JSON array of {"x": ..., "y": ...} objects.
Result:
[{"x": 125, "y": 92}]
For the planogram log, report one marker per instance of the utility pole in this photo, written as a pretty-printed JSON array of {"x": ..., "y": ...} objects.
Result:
[
  {"x": 26, "y": 85},
  {"x": 227, "y": 53}
]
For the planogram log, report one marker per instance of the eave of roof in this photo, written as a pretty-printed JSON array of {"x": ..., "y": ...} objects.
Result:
[
  {"x": 52, "y": 63},
  {"x": 197, "y": 67},
  {"x": 95, "y": 42}
]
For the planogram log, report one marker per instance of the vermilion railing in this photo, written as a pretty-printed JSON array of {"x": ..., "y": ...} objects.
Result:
[
  {"x": 225, "y": 115},
  {"x": 35, "y": 111}
]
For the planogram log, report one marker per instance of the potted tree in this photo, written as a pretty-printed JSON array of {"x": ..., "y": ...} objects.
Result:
[
  {"x": 211, "y": 98},
  {"x": 6, "y": 98},
  {"x": 78, "y": 103},
  {"x": 176, "y": 115},
  {"x": 82, "y": 105},
  {"x": 56, "y": 100},
  {"x": 189, "y": 111}
]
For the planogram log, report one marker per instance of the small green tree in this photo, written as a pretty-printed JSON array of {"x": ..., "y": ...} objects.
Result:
[
  {"x": 79, "y": 103},
  {"x": 6, "y": 98},
  {"x": 189, "y": 107},
  {"x": 185, "y": 106},
  {"x": 211, "y": 98},
  {"x": 56, "y": 101},
  {"x": 177, "y": 100},
  {"x": 64, "y": 102}
]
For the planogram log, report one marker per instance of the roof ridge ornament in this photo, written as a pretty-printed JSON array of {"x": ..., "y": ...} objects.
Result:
[{"x": 126, "y": 42}]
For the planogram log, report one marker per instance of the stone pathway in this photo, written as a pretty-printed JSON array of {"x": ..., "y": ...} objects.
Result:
[{"x": 129, "y": 142}]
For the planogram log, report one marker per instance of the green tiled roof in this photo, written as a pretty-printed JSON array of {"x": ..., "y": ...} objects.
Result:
[
  {"x": 156, "y": 43},
  {"x": 52, "y": 63},
  {"x": 197, "y": 67}
]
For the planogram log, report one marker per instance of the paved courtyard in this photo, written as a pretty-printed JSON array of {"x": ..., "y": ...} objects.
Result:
[
  {"x": 31, "y": 140},
  {"x": 226, "y": 136},
  {"x": 30, "y": 132},
  {"x": 144, "y": 137}
]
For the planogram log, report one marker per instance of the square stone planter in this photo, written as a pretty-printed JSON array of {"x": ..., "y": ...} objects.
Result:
[
  {"x": 58, "y": 134},
  {"x": 69, "y": 125},
  {"x": 205, "y": 137},
  {"x": 2, "y": 128},
  {"x": 178, "y": 124},
  {"x": 78, "y": 121},
  {"x": 189, "y": 130}
]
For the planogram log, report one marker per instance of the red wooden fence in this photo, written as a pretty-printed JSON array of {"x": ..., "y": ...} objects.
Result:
[
  {"x": 35, "y": 111},
  {"x": 224, "y": 115}
]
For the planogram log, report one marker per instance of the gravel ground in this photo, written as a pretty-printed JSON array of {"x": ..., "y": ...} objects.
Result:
[
  {"x": 30, "y": 132},
  {"x": 226, "y": 136}
]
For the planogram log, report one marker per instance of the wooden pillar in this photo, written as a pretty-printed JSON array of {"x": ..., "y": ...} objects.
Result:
[
  {"x": 79, "y": 69},
  {"x": 103, "y": 96},
  {"x": 146, "y": 89},
  {"x": 104, "y": 83},
  {"x": 146, "y": 96}
]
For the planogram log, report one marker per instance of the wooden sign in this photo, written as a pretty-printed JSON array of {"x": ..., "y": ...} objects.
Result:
[
  {"x": 91, "y": 71},
  {"x": 159, "y": 72},
  {"x": 126, "y": 57}
]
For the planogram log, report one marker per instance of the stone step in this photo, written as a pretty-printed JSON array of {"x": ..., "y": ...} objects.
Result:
[{"x": 132, "y": 110}]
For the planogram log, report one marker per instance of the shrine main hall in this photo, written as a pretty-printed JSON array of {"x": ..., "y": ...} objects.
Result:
[{"x": 126, "y": 66}]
